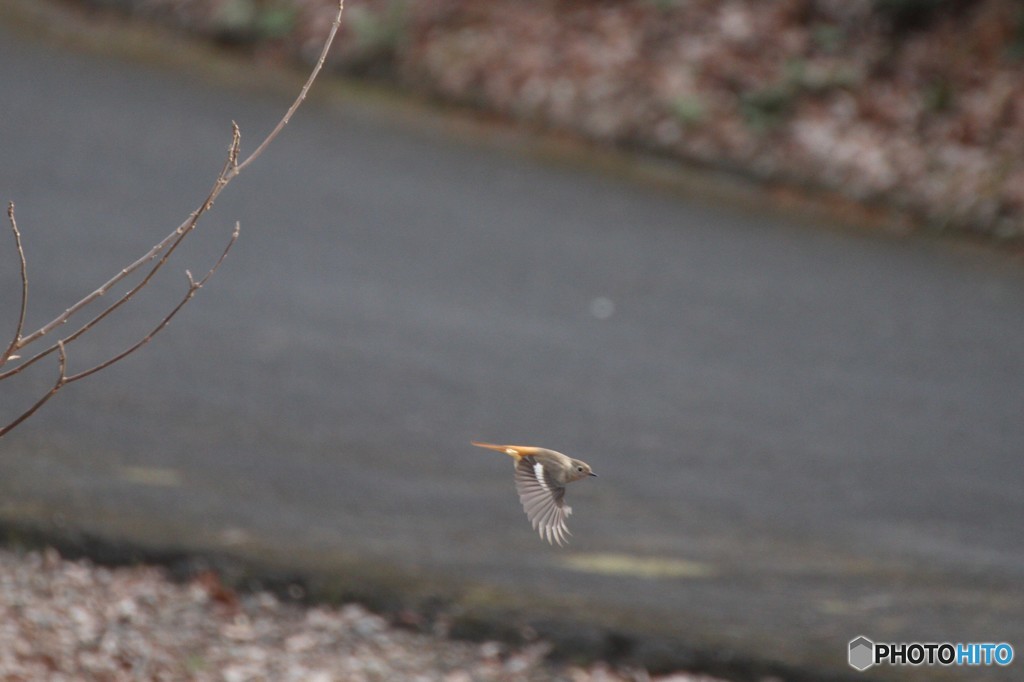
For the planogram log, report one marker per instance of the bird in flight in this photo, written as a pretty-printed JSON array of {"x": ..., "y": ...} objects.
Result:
[{"x": 541, "y": 477}]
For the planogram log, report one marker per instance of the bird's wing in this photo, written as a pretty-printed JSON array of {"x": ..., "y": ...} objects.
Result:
[{"x": 543, "y": 500}]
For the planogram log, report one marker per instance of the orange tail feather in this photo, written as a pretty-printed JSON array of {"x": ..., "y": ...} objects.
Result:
[{"x": 516, "y": 451}]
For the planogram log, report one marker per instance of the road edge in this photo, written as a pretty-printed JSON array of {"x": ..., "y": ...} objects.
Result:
[{"x": 409, "y": 601}]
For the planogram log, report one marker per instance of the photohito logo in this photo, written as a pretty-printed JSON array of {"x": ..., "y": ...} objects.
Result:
[{"x": 863, "y": 653}]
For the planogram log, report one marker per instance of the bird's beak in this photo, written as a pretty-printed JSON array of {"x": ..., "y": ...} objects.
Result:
[{"x": 592, "y": 474}]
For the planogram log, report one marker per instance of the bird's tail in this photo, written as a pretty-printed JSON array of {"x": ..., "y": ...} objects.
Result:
[{"x": 516, "y": 451}]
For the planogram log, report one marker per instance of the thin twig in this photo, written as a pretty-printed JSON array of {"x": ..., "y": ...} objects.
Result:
[
  {"x": 193, "y": 287},
  {"x": 302, "y": 93},
  {"x": 161, "y": 252},
  {"x": 102, "y": 314},
  {"x": 24, "y": 286},
  {"x": 62, "y": 379},
  {"x": 173, "y": 240},
  {"x": 168, "y": 246},
  {"x": 232, "y": 169}
]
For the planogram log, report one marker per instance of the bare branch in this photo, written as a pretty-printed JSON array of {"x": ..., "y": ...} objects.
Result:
[
  {"x": 9, "y": 352},
  {"x": 59, "y": 384},
  {"x": 168, "y": 244},
  {"x": 232, "y": 168},
  {"x": 302, "y": 93},
  {"x": 178, "y": 237},
  {"x": 193, "y": 287},
  {"x": 160, "y": 253},
  {"x": 109, "y": 309}
]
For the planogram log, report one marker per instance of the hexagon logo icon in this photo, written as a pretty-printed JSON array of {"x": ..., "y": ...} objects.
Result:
[{"x": 862, "y": 653}]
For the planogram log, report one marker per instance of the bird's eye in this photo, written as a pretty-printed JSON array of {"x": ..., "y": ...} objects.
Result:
[{"x": 579, "y": 468}]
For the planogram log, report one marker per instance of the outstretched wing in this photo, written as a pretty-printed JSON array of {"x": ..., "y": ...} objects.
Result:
[{"x": 543, "y": 500}]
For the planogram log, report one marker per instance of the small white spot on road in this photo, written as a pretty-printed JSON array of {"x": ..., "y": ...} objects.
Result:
[{"x": 602, "y": 308}]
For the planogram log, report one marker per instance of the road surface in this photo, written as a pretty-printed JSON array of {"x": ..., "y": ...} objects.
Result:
[{"x": 802, "y": 434}]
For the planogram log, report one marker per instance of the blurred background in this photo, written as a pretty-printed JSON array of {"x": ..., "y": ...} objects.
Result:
[{"x": 692, "y": 243}]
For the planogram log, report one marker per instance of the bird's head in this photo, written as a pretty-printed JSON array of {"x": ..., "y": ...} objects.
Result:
[{"x": 580, "y": 470}]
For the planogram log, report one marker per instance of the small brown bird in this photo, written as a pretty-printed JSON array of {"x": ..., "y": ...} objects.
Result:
[{"x": 541, "y": 477}]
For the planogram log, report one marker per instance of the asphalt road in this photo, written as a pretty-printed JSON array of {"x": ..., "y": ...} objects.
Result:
[{"x": 802, "y": 434}]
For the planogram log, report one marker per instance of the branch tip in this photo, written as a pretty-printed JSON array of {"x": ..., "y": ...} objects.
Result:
[
  {"x": 236, "y": 145},
  {"x": 16, "y": 342}
]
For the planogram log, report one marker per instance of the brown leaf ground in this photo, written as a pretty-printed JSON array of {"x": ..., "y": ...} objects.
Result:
[{"x": 921, "y": 113}]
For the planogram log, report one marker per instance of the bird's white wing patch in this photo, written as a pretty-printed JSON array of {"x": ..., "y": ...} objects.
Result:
[
  {"x": 542, "y": 500},
  {"x": 541, "y": 476}
]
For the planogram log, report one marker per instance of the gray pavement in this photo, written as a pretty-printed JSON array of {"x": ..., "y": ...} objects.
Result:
[{"x": 802, "y": 434}]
